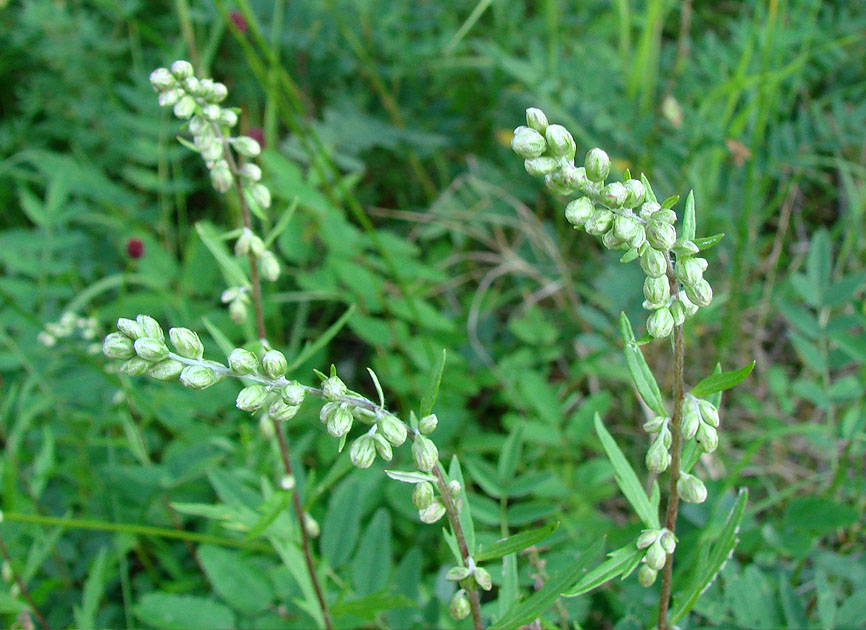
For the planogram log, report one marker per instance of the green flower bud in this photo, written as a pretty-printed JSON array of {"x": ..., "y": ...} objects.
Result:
[
  {"x": 211, "y": 112},
  {"x": 218, "y": 92},
  {"x": 454, "y": 489},
  {"x": 169, "y": 97},
  {"x": 459, "y": 607},
  {"x": 654, "y": 425},
  {"x": 691, "y": 420},
  {"x": 243, "y": 362},
  {"x": 597, "y": 165},
  {"x": 657, "y": 457},
  {"x": 648, "y": 209},
  {"x": 455, "y": 574},
  {"x": 427, "y": 424},
  {"x": 635, "y": 193},
  {"x": 333, "y": 389},
  {"x": 182, "y": 69},
  {"x": 655, "y": 556},
  {"x": 184, "y": 108},
  {"x": 678, "y": 312},
  {"x": 422, "y": 497},
  {"x": 251, "y": 398},
  {"x": 688, "y": 270},
  {"x": 251, "y": 172},
  {"x": 700, "y": 293},
  {"x": 660, "y": 235},
  {"x": 281, "y": 411},
  {"x": 613, "y": 195},
  {"x": 246, "y": 146},
  {"x": 625, "y": 227},
  {"x": 688, "y": 307},
  {"x": 131, "y": 328},
  {"x": 709, "y": 412},
  {"x": 668, "y": 541},
  {"x": 150, "y": 349},
  {"x": 560, "y": 141},
  {"x": 221, "y": 176},
  {"x": 657, "y": 290},
  {"x": 293, "y": 393},
  {"x": 362, "y": 453},
  {"x": 212, "y": 151},
  {"x": 540, "y": 166},
  {"x": 166, "y": 370},
  {"x": 528, "y": 143},
  {"x": 238, "y": 310},
  {"x": 134, "y": 366},
  {"x": 685, "y": 247},
  {"x": 691, "y": 489},
  {"x": 117, "y": 346},
  {"x": 425, "y": 453},
  {"x": 328, "y": 410},
  {"x": 599, "y": 222},
  {"x": 228, "y": 118},
  {"x": 383, "y": 447},
  {"x": 311, "y": 526},
  {"x": 577, "y": 212},
  {"x": 482, "y": 578},
  {"x": 707, "y": 437},
  {"x": 646, "y": 576},
  {"x": 161, "y": 79},
  {"x": 186, "y": 343},
  {"x": 392, "y": 429},
  {"x": 261, "y": 195},
  {"x": 660, "y": 323},
  {"x": 639, "y": 238},
  {"x": 340, "y": 422},
  {"x": 270, "y": 266},
  {"x": 536, "y": 119},
  {"x": 151, "y": 327},
  {"x": 665, "y": 215},
  {"x": 555, "y": 183},
  {"x": 612, "y": 241},
  {"x": 647, "y": 537},
  {"x": 432, "y": 512},
  {"x": 274, "y": 363},
  {"x": 653, "y": 263},
  {"x": 197, "y": 377}
]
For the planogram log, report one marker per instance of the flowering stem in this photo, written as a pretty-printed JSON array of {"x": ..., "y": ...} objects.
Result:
[
  {"x": 299, "y": 513},
  {"x": 676, "y": 452}
]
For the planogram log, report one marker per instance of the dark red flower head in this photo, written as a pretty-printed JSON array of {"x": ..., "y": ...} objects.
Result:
[
  {"x": 134, "y": 248},
  {"x": 238, "y": 20},
  {"x": 258, "y": 135}
]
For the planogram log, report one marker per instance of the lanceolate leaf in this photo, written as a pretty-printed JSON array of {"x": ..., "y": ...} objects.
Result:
[
  {"x": 721, "y": 382},
  {"x": 719, "y": 554},
  {"x": 432, "y": 392},
  {"x": 705, "y": 242},
  {"x": 410, "y": 476},
  {"x": 617, "y": 562},
  {"x": 689, "y": 217},
  {"x": 626, "y": 478},
  {"x": 527, "y": 610},
  {"x": 517, "y": 542},
  {"x": 640, "y": 373}
]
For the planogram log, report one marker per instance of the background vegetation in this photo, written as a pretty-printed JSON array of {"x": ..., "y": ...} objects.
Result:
[{"x": 130, "y": 504}]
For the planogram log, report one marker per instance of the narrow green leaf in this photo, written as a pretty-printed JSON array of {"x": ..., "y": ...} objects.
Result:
[
  {"x": 322, "y": 340},
  {"x": 705, "y": 242},
  {"x": 525, "y": 611},
  {"x": 670, "y": 202},
  {"x": 456, "y": 473},
  {"x": 508, "y": 592},
  {"x": 819, "y": 261},
  {"x": 689, "y": 217},
  {"x": 721, "y": 382},
  {"x": 515, "y": 543},
  {"x": 719, "y": 554},
  {"x": 282, "y": 223},
  {"x": 269, "y": 510},
  {"x": 410, "y": 476},
  {"x": 626, "y": 478},
  {"x": 650, "y": 195},
  {"x": 429, "y": 398},
  {"x": 617, "y": 562},
  {"x": 369, "y": 606},
  {"x": 94, "y": 588},
  {"x": 225, "y": 345},
  {"x": 640, "y": 373},
  {"x": 378, "y": 387},
  {"x": 510, "y": 455},
  {"x": 234, "y": 275}
]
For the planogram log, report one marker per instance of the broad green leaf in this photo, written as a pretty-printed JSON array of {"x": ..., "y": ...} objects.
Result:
[
  {"x": 432, "y": 391},
  {"x": 689, "y": 217},
  {"x": 721, "y": 382},
  {"x": 408, "y": 476},
  {"x": 238, "y": 583},
  {"x": 372, "y": 564},
  {"x": 182, "y": 612},
  {"x": 322, "y": 340},
  {"x": 818, "y": 514},
  {"x": 706, "y": 242},
  {"x": 515, "y": 543},
  {"x": 819, "y": 260},
  {"x": 721, "y": 550},
  {"x": 618, "y": 561},
  {"x": 342, "y": 523},
  {"x": 626, "y": 478},
  {"x": 826, "y": 600},
  {"x": 525, "y": 611},
  {"x": 643, "y": 378}
]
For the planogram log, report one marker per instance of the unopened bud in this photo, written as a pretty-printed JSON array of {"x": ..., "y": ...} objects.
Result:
[
  {"x": 660, "y": 323},
  {"x": 149, "y": 349},
  {"x": 455, "y": 574},
  {"x": 660, "y": 235},
  {"x": 218, "y": 92},
  {"x": 648, "y": 210},
  {"x": 274, "y": 363},
  {"x": 577, "y": 212},
  {"x": 657, "y": 290},
  {"x": 392, "y": 429},
  {"x": 427, "y": 424},
  {"x": 560, "y": 141},
  {"x": 422, "y": 497},
  {"x": 251, "y": 398},
  {"x": 251, "y": 172},
  {"x": 166, "y": 370},
  {"x": 151, "y": 327},
  {"x": 612, "y": 241},
  {"x": 678, "y": 312},
  {"x": 134, "y": 366},
  {"x": 197, "y": 377},
  {"x": 613, "y": 195},
  {"x": 625, "y": 227},
  {"x": 574, "y": 178},
  {"x": 657, "y": 457},
  {"x": 691, "y": 489},
  {"x": 709, "y": 412},
  {"x": 281, "y": 411},
  {"x": 311, "y": 525},
  {"x": 599, "y": 222},
  {"x": 182, "y": 69},
  {"x": 261, "y": 195},
  {"x": 691, "y": 419},
  {"x": 540, "y": 166},
  {"x": 459, "y": 607},
  {"x": 287, "y": 482},
  {"x": 635, "y": 192},
  {"x": 646, "y": 576},
  {"x": 333, "y": 389},
  {"x": 454, "y": 489},
  {"x": 169, "y": 97},
  {"x": 688, "y": 270},
  {"x": 482, "y": 578},
  {"x": 246, "y": 146},
  {"x": 383, "y": 447},
  {"x": 707, "y": 437},
  {"x": 528, "y": 143},
  {"x": 293, "y": 393},
  {"x": 647, "y": 537},
  {"x": 221, "y": 176},
  {"x": 362, "y": 453},
  {"x": 131, "y": 328},
  {"x": 700, "y": 293},
  {"x": 270, "y": 266},
  {"x": 653, "y": 262},
  {"x": 425, "y": 453},
  {"x": 243, "y": 362},
  {"x": 668, "y": 541},
  {"x": 655, "y": 556},
  {"x": 340, "y": 422},
  {"x": 118, "y": 346},
  {"x": 185, "y": 107},
  {"x": 161, "y": 79},
  {"x": 685, "y": 247},
  {"x": 432, "y": 512},
  {"x": 597, "y": 165},
  {"x": 655, "y": 424},
  {"x": 211, "y": 112},
  {"x": 228, "y": 118},
  {"x": 536, "y": 119},
  {"x": 186, "y": 343}
]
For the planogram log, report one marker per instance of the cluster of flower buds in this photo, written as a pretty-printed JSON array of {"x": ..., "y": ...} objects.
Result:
[
  {"x": 701, "y": 421},
  {"x": 227, "y": 157},
  {"x": 70, "y": 325},
  {"x": 470, "y": 578},
  {"x": 658, "y": 456},
  {"x": 659, "y": 544},
  {"x": 623, "y": 216}
]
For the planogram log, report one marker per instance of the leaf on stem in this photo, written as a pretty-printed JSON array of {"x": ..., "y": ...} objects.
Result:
[
  {"x": 640, "y": 373},
  {"x": 515, "y": 543},
  {"x": 722, "y": 381}
]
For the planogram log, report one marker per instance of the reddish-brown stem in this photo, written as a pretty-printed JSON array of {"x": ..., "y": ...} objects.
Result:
[
  {"x": 305, "y": 539},
  {"x": 24, "y": 592}
]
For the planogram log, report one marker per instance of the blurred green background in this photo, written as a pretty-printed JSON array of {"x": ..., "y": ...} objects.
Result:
[{"x": 389, "y": 121}]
